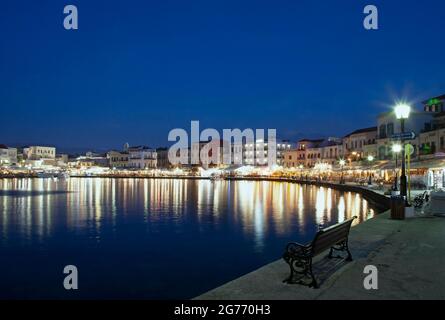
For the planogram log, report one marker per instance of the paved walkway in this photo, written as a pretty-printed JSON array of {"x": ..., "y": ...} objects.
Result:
[{"x": 409, "y": 255}]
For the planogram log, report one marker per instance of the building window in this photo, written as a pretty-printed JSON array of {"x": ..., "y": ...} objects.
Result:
[
  {"x": 382, "y": 132},
  {"x": 390, "y": 129},
  {"x": 382, "y": 153}
]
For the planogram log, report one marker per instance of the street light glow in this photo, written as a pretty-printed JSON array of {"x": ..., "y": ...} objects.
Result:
[
  {"x": 396, "y": 148},
  {"x": 342, "y": 162},
  {"x": 370, "y": 158},
  {"x": 402, "y": 111}
]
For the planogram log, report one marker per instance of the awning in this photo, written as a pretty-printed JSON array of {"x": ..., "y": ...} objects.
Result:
[{"x": 429, "y": 164}]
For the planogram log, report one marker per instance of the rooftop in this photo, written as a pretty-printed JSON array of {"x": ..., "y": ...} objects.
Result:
[
  {"x": 311, "y": 140},
  {"x": 434, "y": 100},
  {"x": 329, "y": 143},
  {"x": 139, "y": 148},
  {"x": 364, "y": 130}
]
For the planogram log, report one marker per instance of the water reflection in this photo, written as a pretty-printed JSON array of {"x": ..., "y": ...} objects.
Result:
[
  {"x": 146, "y": 228},
  {"x": 94, "y": 205}
]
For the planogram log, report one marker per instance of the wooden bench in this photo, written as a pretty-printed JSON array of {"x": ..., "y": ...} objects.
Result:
[{"x": 299, "y": 256}]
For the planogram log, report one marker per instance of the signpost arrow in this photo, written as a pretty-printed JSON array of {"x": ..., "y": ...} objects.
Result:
[{"x": 404, "y": 136}]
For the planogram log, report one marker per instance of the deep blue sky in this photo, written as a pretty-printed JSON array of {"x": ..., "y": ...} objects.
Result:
[{"x": 136, "y": 69}]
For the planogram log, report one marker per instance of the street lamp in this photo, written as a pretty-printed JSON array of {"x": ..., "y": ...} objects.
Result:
[
  {"x": 402, "y": 112},
  {"x": 301, "y": 170},
  {"x": 370, "y": 159},
  {"x": 396, "y": 148},
  {"x": 342, "y": 163}
]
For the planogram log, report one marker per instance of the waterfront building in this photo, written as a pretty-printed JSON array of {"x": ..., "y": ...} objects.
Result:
[
  {"x": 215, "y": 152},
  {"x": 39, "y": 152},
  {"x": 282, "y": 147},
  {"x": 162, "y": 158},
  {"x": 291, "y": 158},
  {"x": 237, "y": 153},
  {"x": 89, "y": 160},
  {"x": 313, "y": 155},
  {"x": 430, "y": 143},
  {"x": 142, "y": 157},
  {"x": 61, "y": 160},
  {"x": 8, "y": 156},
  {"x": 431, "y": 140},
  {"x": 331, "y": 150},
  {"x": 361, "y": 143},
  {"x": 308, "y": 152},
  {"x": 418, "y": 122},
  {"x": 256, "y": 153},
  {"x": 435, "y": 105},
  {"x": 118, "y": 159},
  {"x": 370, "y": 150}
]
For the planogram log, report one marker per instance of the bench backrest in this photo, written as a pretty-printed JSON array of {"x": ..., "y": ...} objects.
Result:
[{"x": 326, "y": 238}]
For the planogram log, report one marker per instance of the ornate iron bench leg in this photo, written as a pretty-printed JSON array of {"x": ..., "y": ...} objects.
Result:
[
  {"x": 314, "y": 283},
  {"x": 349, "y": 258},
  {"x": 291, "y": 276}
]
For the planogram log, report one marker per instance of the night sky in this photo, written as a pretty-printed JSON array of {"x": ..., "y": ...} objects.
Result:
[{"x": 136, "y": 69}]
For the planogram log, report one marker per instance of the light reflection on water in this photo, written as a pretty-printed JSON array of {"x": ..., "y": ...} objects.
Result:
[{"x": 99, "y": 220}]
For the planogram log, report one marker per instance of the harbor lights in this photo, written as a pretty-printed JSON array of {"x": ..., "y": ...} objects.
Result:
[
  {"x": 342, "y": 163},
  {"x": 402, "y": 111},
  {"x": 370, "y": 160},
  {"x": 301, "y": 167}
]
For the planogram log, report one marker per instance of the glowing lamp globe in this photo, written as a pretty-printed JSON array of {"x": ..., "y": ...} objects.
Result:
[
  {"x": 402, "y": 111},
  {"x": 396, "y": 148}
]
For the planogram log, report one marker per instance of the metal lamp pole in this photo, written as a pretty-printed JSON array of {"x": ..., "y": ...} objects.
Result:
[
  {"x": 402, "y": 112},
  {"x": 396, "y": 175},
  {"x": 342, "y": 178},
  {"x": 403, "y": 192},
  {"x": 370, "y": 159}
]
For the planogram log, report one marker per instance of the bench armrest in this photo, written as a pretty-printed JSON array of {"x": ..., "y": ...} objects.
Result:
[
  {"x": 297, "y": 249},
  {"x": 296, "y": 244}
]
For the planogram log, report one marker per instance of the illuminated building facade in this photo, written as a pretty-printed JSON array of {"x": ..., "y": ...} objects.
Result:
[
  {"x": 39, "y": 152},
  {"x": 8, "y": 156}
]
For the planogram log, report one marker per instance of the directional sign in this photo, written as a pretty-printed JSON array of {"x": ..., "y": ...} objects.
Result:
[{"x": 404, "y": 136}]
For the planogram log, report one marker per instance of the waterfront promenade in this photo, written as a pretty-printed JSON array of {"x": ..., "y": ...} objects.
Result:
[{"x": 409, "y": 255}]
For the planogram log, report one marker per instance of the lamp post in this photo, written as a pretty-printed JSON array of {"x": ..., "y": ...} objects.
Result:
[
  {"x": 370, "y": 159},
  {"x": 402, "y": 112},
  {"x": 396, "y": 148},
  {"x": 301, "y": 171},
  {"x": 342, "y": 164}
]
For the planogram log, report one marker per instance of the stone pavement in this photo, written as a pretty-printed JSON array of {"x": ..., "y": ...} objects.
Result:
[{"x": 409, "y": 255}]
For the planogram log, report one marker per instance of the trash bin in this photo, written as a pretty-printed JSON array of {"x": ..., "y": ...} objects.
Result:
[{"x": 397, "y": 207}]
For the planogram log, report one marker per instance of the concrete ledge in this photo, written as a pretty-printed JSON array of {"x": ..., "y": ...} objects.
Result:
[{"x": 409, "y": 255}]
